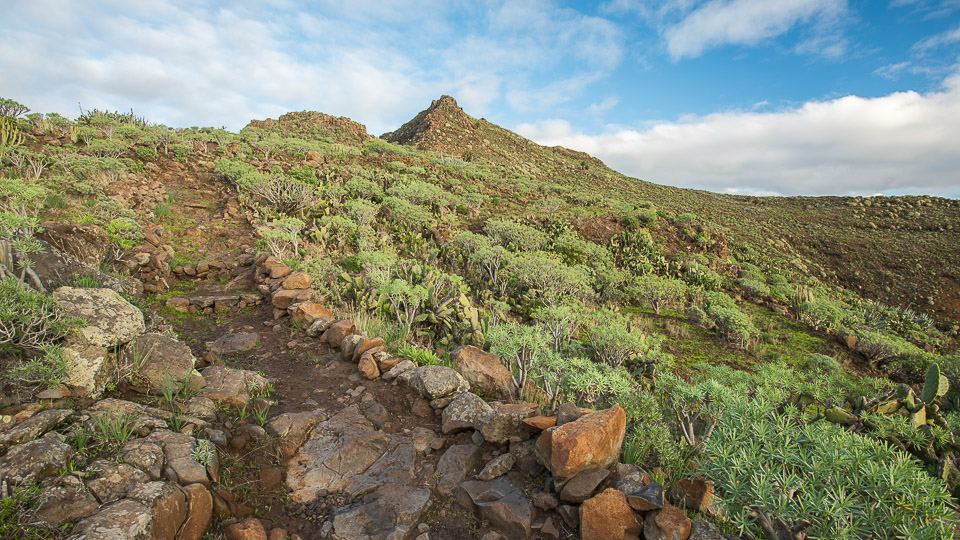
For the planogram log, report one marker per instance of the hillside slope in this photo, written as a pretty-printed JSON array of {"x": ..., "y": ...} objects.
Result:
[{"x": 899, "y": 250}]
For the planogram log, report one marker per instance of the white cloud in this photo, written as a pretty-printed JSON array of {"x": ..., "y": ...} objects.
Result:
[
  {"x": 602, "y": 106},
  {"x": 902, "y": 142},
  {"x": 748, "y": 22},
  {"x": 204, "y": 64},
  {"x": 938, "y": 40}
]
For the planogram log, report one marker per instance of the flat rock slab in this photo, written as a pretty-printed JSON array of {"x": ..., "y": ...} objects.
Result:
[
  {"x": 124, "y": 519},
  {"x": 36, "y": 459},
  {"x": 292, "y": 429},
  {"x": 391, "y": 512},
  {"x": 345, "y": 453},
  {"x": 234, "y": 343},
  {"x": 454, "y": 465},
  {"x": 33, "y": 427},
  {"x": 499, "y": 502},
  {"x": 231, "y": 386},
  {"x": 111, "y": 320}
]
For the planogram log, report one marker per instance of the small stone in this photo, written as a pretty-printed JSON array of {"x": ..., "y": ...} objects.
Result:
[
  {"x": 248, "y": 529},
  {"x": 368, "y": 367},
  {"x": 582, "y": 486},
  {"x": 499, "y": 466},
  {"x": 545, "y": 501},
  {"x": 567, "y": 412}
]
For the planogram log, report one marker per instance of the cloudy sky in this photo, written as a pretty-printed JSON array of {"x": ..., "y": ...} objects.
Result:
[{"x": 740, "y": 96}]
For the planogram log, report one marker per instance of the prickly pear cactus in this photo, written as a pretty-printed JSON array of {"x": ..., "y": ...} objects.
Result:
[{"x": 936, "y": 385}]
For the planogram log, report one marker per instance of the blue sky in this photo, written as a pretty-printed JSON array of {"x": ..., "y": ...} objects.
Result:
[{"x": 740, "y": 96}]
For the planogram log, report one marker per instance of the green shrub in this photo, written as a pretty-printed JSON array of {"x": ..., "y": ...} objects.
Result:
[
  {"x": 657, "y": 292},
  {"x": 754, "y": 287},
  {"x": 124, "y": 232},
  {"x": 543, "y": 274},
  {"x": 615, "y": 341},
  {"x": 729, "y": 320},
  {"x": 515, "y": 236},
  {"x": 29, "y": 319},
  {"x": 769, "y": 465},
  {"x": 146, "y": 153}
]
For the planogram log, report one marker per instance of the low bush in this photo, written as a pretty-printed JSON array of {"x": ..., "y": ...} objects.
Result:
[{"x": 773, "y": 471}]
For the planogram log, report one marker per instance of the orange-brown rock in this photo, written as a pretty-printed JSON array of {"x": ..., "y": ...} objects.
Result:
[
  {"x": 607, "y": 516},
  {"x": 278, "y": 271},
  {"x": 308, "y": 312},
  {"x": 388, "y": 364},
  {"x": 298, "y": 280},
  {"x": 368, "y": 367},
  {"x": 248, "y": 529},
  {"x": 366, "y": 345},
  {"x": 593, "y": 441},
  {"x": 283, "y": 298},
  {"x": 483, "y": 371},
  {"x": 695, "y": 494},
  {"x": 334, "y": 335},
  {"x": 540, "y": 423},
  {"x": 201, "y": 512},
  {"x": 667, "y": 524}
]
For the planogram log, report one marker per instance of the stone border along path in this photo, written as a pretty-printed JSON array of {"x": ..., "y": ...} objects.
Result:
[{"x": 398, "y": 441}]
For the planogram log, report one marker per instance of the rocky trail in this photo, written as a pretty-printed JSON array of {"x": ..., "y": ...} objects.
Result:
[{"x": 243, "y": 408}]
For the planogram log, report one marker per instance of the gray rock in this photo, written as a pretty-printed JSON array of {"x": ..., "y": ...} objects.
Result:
[
  {"x": 702, "y": 529},
  {"x": 647, "y": 498},
  {"x": 110, "y": 320},
  {"x": 627, "y": 478},
  {"x": 466, "y": 411},
  {"x": 454, "y": 465},
  {"x": 348, "y": 345},
  {"x": 144, "y": 455},
  {"x": 499, "y": 502},
  {"x": 89, "y": 367},
  {"x": 216, "y": 436},
  {"x": 36, "y": 459},
  {"x": 201, "y": 407},
  {"x": 125, "y": 519},
  {"x": 525, "y": 454},
  {"x": 234, "y": 343},
  {"x": 66, "y": 501},
  {"x": 231, "y": 386},
  {"x": 178, "y": 449},
  {"x": 582, "y": 485},
  {"x": 112, "y": 481},
  {"x": 498, "y": 466},
  {"x": 391, "y": 512},
  {"x": 567, "y": 412},
  {"x": 319, "y": 326},
  {"x": 501, "y": 427},
  {"x": 405, "y": 366},
  {"x": 292, "y": 429},
  {"x": 35, "y": 426},
  {"x": 545, "y": 501},
  {"x": 167, "y": 362},
  {"x": 434, "y": 382}
]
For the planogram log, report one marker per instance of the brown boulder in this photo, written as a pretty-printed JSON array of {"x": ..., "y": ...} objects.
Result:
[
  {"x": 248, "y": 529},
  {"x": 298, "y": 280},
  {"x": 667, "y": 524},
  {"x": 337, "y": 331},
  {"x": 483, "y": 371},
  {"x": 368, "y": 367},
  {"x": 308, "y": 312},
  {"x": 593, "y": 441},
  {"x": 607, "y": 516}
]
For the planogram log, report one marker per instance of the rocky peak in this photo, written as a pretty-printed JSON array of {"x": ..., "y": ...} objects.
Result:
[
  {"x": 310, "y": 124},
  {"x": 433, "y": 125}
]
